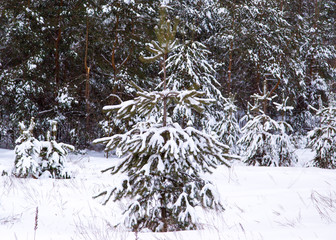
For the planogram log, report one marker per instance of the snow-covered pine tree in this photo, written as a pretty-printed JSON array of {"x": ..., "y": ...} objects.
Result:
[
  {"x": 264, "y": 141},
  {"x": 162, "y": 162},
  {"x": 227, "y": 127},
  {"x": 27, "y": 152},
  {"x": 322, "y": 139},
  {"x": 285, "y": 145},
  {"x": 257, "y": 140},
  {"x": 54, "y": 154},
  {"x": 34, "y": 158}
]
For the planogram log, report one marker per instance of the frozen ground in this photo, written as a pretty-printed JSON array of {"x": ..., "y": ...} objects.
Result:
[{"x": 261, "y": 203}]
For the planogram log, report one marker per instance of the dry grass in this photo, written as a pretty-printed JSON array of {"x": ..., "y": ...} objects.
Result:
[
  {"x": 325, "y": 204},
  {"x": 96, "y": 228}
]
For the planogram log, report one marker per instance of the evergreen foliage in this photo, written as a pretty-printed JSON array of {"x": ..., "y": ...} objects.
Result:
[
  {"x": 34, "y": 158},
  {"x": 227, "y": 127},
  {"x": 27, "y": 152},
  {"x": 161, "y": 161},
  {"x": 189, "y": 67},
  {"x": 264, "y": 141},
  {"x": 53, "y": 155},
  {"x": 322, "y": 139},
  {"x": 46, "y": 48}
]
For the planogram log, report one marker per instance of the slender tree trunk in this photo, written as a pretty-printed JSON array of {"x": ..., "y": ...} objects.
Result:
[
  {"x": 87, "y": 71},
  {"x": 230, "y": 67},
  {"x": 281, "y": 5},
  {"x": 265, "y": 93},
  {"x": 230, "y": 52},
  {"x": 164, "y": 88},
  {"x": 164, "y": 212},
  {"x": 115, "y": 44},
  {"x": 57, "y": 46},
  {"x": 257, "y": 80},
  {"x": 317, "y": 13},
  {"x": 163, "y": 194},
  {"x": 300, "y": 7},
  {"x": 312, "y": 59}
]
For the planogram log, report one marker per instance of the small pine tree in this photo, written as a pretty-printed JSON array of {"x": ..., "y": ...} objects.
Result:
[
  {"x": 227, "y": 128},
  {"x": 323, "y": 138},
  {"x": 53, "y": 155},
  {"x": 162, "y": 162},
  {"x": 27, "y": 152},
  {"x": 265, "y": 142},
  {"x": 285, "y": 146},
  {"x": 35, "y": 158}
]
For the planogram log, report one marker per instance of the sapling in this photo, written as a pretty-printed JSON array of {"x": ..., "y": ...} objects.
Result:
[{"x": 161, "y": 162}]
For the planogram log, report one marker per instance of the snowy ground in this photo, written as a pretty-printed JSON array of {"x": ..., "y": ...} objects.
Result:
[{"x": 261, "y": 203}]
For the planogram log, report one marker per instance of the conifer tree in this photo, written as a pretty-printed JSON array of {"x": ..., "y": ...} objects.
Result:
[
  {"x": 227, "y": 127},
  {"x": 264, "y": 141},
  {"x": 27, "y": 152},
  {"x": 322, "y": 139},
  {"x": 53, "y": 155},
  {"x": 285, "y": 148},
  {"x": 162, "y": 161},
  {"x": 34, "y": 158}
]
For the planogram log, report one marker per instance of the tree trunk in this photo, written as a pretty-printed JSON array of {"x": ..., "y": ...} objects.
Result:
[
  {"x": 87, "y": 71},
  {"x": 230, "y": 52},
  {"x": 57, "y": 46},
  {"x": 164, "y": 88},
  {"x": 265, "y": 100},
  {"x": 312, "y": 59},
  {"x": 164, "y": 212},
  {"x": 163, "y": 195}
]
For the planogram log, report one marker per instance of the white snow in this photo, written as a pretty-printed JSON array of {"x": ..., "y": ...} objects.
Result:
[{"x": 260, "y": 202}]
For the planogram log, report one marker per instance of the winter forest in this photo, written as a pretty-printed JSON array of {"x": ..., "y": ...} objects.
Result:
[{"x": 171, "y": 91}]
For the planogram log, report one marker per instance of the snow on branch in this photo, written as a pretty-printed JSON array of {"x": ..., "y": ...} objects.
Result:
[{"x": 148, "y": 102}]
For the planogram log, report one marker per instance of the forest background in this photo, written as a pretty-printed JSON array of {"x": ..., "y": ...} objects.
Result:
[{"x": 65, "y": 60}]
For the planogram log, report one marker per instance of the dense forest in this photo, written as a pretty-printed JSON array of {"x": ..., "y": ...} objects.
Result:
[{"x": 64, "y": 61}]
